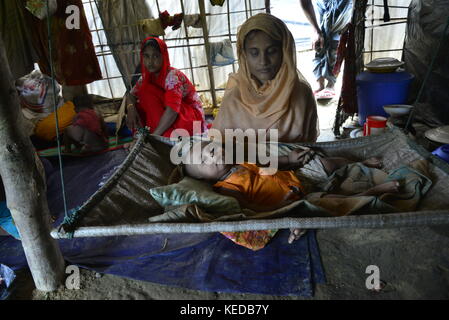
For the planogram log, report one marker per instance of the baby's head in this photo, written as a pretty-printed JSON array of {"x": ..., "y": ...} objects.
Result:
[{"x": 205, "y": 160}]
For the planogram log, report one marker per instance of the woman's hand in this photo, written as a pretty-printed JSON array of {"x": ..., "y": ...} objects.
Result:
[
  {"x": 300, "y": 157},
  {"x": 132, "y": 118},
  {"x": 318, "y": 43},
  {"x": 167, "y": 119}
]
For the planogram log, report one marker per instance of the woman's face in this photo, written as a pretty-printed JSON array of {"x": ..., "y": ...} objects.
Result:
[
  {"x": 264, "y": 56},
  {"x": 152, "y": 59}
]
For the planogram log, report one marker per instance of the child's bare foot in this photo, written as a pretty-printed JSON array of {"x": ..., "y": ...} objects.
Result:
[
  {"x": 373, "y": 163},
  {"x": 295, "y": 234},
  {"x": 387, "y": 187}
]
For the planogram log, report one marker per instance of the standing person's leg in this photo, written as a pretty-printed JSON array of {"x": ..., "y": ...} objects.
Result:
[
  {"x": 339, "y": 15},
  {"x": 319, "y": 59}
]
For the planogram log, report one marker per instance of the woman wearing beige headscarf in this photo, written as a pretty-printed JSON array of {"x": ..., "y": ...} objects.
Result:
[{"x": 268, "y": 92}]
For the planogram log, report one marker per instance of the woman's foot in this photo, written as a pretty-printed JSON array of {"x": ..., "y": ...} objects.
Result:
[
  {"x": 325, "y": 94},
  {"x": 295, "y": 234}
]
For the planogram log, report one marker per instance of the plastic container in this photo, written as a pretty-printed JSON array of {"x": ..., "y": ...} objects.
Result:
[
  {"x": 442, "y": 152},
  {"x": 375, "y": 90}
]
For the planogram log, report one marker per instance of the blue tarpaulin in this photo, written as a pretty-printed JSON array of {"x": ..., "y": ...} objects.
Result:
[{"x": 198, "y": 261}]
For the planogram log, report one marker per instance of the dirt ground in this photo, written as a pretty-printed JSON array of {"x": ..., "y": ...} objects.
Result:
[{"x": 413, "y": 264}]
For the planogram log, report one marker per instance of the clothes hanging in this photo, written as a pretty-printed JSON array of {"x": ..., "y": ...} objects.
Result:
[
  {"x": 17, "y": 38},
  {"x": 221, "y": 53},
  {"x": 74, "y": 59},
  {"x": 152, "y": 27},
  {"x": 217, "y": 2},
  {"x": 193, "y": 20},
  {"x": 171, "y": 21}
]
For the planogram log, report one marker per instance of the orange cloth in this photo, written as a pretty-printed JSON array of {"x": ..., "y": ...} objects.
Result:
[
  {"x": 46, "y": 128},
  {"x": 258, "y": 188},
  {"x": 262, "y": 189}
]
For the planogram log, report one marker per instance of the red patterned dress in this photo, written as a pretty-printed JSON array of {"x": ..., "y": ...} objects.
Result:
[{"x": 170, "y": 89}]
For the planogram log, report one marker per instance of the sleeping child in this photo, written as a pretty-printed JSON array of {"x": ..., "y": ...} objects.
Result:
[
  {"x": 88, "y": 132},
  {"x": 256, "y": 190}
]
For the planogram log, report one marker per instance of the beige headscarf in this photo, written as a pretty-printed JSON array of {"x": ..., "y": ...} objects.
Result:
[{"x": 285, "y": 103}]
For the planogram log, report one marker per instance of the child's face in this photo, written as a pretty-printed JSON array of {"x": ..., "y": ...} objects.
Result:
[
  {"x": 208, "y": 164},
  {"x": 152, "y": 59},
  {"x": 264, "y": 56}
]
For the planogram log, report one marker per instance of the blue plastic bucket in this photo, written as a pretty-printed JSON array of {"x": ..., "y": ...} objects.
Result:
[{"x": 375, "y": 90}]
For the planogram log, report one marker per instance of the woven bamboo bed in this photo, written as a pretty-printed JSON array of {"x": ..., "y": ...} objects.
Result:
[{"x": 123, "y": 204}]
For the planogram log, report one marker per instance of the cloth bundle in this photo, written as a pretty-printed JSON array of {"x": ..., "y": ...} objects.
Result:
[{"x": 222, "y": 53}]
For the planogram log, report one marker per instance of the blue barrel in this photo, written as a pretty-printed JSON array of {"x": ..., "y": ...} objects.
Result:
[{"x": 375, "y": 90}]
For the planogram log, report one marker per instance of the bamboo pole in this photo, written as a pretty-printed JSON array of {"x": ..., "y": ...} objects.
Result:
[
  {"x": 363, "y": 221},
  {"x": 189, "y": 48},
  {"x": 267, "y": 6},
  {"x": 25, "y": 188},
  {"x": 207, "y": 44}
]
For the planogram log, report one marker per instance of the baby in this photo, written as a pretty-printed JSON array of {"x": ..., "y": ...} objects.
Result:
[
  {"x": 88, "y": 132},
  {"x": 256, "y": 190}
]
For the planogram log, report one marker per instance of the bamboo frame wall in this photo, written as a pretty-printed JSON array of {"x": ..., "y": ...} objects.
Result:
[{"x": 212, "y": 88}]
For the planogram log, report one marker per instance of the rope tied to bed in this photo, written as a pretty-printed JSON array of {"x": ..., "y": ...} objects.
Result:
[{"x": 69, "y": 222}]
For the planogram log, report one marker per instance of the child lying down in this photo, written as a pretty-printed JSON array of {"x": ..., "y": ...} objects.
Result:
[{"x": 256, "y": 190}]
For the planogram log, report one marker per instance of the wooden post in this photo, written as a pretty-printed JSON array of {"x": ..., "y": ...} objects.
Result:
[
  {"x": 207, "y": 45},
  {"x": 25, "y": 188},
  {"x": 267, "y": 6}
]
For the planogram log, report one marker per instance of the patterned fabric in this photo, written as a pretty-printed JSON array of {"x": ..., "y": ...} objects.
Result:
[
  {"x": 170, "y": 89},
  {"x": 254, "y": 240},
  {"x": 260, "y": 189}
]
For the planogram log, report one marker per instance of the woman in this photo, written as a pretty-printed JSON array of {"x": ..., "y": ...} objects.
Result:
[
  {"x": 163, "y": 99},
  {"x": 268, "y": 92}
]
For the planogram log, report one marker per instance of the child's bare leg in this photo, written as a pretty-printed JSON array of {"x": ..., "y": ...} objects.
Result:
[
  {"x": 333, "y": 163},
  {"x": 373, "y": 163},
  {"x": 387, "y": 187}
]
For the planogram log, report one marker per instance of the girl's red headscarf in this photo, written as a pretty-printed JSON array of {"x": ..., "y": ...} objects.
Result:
[
  {"x": 149, "y": 77},
  {"x": 153, "y": 98}
]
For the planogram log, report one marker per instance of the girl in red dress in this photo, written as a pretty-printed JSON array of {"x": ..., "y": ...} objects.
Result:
[{"x": 163, "y": 99}]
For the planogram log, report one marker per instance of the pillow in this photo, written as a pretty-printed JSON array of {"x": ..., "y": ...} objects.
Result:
[{"x": 192, "y": 191}]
